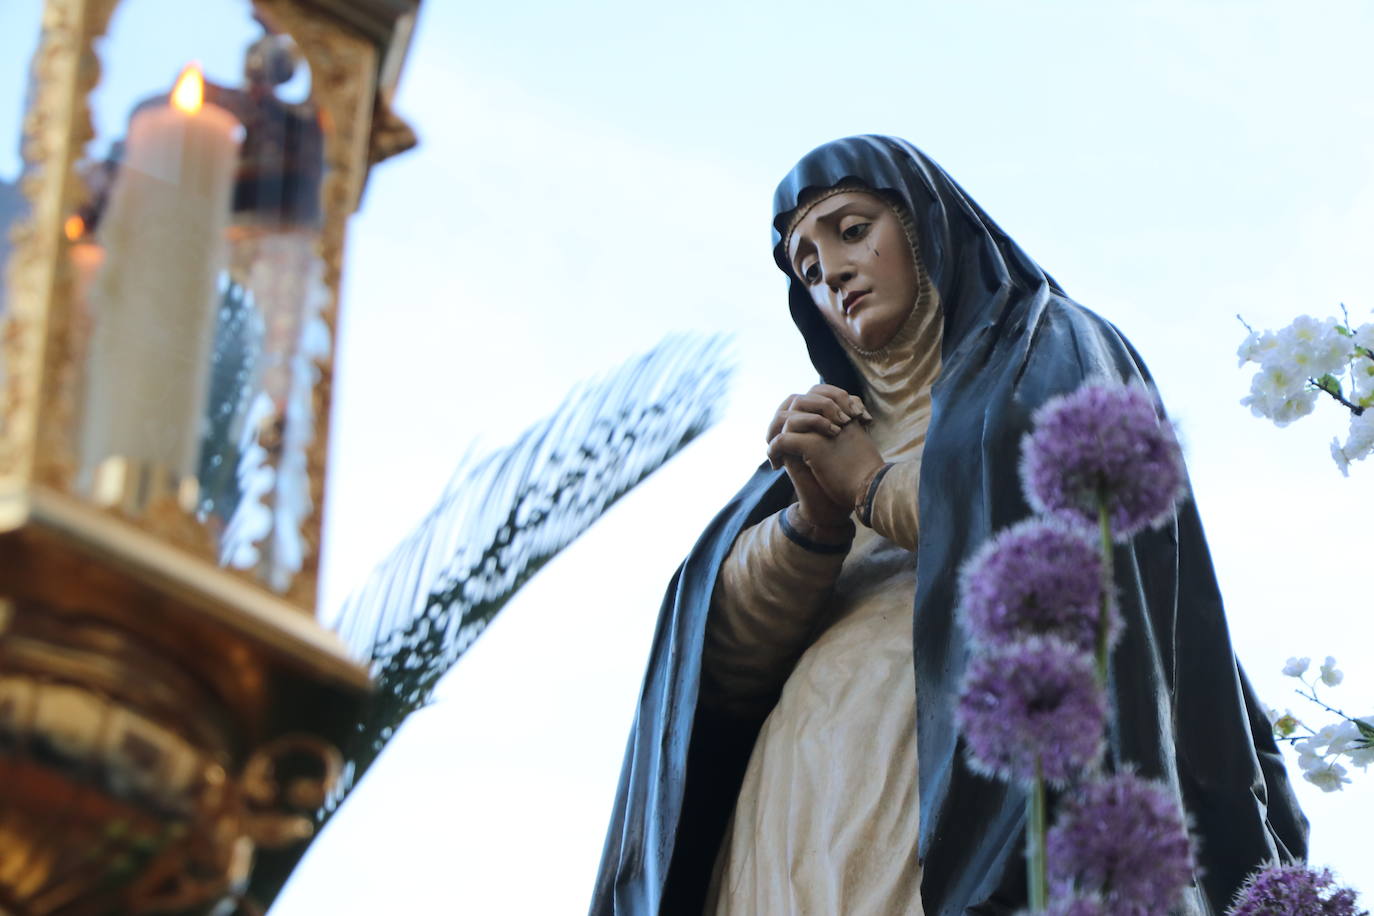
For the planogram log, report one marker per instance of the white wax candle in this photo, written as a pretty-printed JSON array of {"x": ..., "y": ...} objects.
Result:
[
  {"x": 155, "y": 300},
  {"x": 86, "y": 259}
]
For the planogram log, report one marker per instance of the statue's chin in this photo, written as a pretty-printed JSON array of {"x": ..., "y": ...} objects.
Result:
[{"x": 873, "y": 335}]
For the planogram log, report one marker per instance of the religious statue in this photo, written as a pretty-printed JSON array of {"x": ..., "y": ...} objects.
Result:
[{"x": 795, "y": 748}]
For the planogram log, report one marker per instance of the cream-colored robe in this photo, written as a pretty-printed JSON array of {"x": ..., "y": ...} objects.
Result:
[{"x": 827, "y": 817}]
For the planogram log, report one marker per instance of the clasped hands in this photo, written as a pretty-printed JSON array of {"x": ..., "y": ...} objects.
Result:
[{"x": 818, "y": 437}]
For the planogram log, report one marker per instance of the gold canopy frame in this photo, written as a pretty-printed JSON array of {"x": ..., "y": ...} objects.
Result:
[{"x": 160, "y": 715}]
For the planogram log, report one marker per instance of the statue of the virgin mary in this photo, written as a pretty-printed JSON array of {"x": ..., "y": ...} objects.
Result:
[{"x": 794, "y": 750}]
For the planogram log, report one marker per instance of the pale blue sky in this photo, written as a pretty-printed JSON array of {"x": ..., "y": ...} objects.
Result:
[{"x": 592, "y": 176}]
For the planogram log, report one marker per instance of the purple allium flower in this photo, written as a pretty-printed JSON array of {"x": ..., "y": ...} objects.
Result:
[
  {"x": 1036, "y": 698},
  {"x": 1042, "y": 576},
  {"x": 1294, "y": 890},
  {"x": 1091, "y": 905},
  {"x": 1103, "y": 438},
  {"x": 1123, "y": 837}
]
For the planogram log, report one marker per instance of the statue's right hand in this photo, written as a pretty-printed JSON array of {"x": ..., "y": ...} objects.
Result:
[{"x": 824, "y": 410}]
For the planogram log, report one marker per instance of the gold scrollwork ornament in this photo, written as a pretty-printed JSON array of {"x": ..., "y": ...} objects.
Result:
[{"x": 257, "y": 810}]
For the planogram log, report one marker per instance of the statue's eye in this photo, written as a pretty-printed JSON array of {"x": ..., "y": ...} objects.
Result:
[
  {"x": 811, "y": 273},
  {"x": 855, "y": 231}
]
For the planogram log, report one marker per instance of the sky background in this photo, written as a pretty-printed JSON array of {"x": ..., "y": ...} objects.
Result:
[{"x": 593, "y": 176}]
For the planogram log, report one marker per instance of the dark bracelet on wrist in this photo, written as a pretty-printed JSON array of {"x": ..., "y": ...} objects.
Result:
[
  {"x": 864, "y": 509},
  {"x": 804, "y": 531}
]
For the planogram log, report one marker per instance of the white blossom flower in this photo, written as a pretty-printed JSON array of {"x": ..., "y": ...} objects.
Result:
[
  {"x": 1276, "y": 382},
  {"x": 1311, "y": 347},
  {"x": 1310, "y": 750},
  {"x": 1294, "y": 358},
  {"x": 1364, "y": 336},
  {"x": 1361, "y": 432},
  {"x": 1343, "y": 735},
  {"x": 1283, "y": 408},
  {"x": 1295, "y": 667},
  {"x": 1362, "y": 753},
  {"x": 1283, "y": 724},
  {"x": 1280, "y": 394},
  {"x": 1293, "y": 408},
  {"x": 1330, "y": 674},
  {"x": 1332, "y": 352},
  {"x": 1339, "y": 456},
  {"x": 1256, "y": 345},
  {"x": 1359, "y": 444},
  {"x": 1363, "y": 385},
  {"x": 1329, "y": 778}
]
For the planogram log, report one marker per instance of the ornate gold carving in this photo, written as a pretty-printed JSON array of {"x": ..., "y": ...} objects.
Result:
[
  {"x": 391, "y": 135},
  {"x": 37, "y": 401},
  {"x": 282, "y": 809},
  {"x": 154, "y": 500},
  {"x": 121, "y": 786},
  {"x": 237, "y": 816}
]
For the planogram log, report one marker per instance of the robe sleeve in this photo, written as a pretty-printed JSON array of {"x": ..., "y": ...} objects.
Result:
[
  {"x": 894, "y": 504},
  {"x": 771, "y": 590}
]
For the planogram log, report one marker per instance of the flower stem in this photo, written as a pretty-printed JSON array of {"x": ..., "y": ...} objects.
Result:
[
  {"x": 1035, "y": 839},
  {"x": 1313, "y": 697},
  {"x": 1334, "y": 390},
  {"x": 1105, "y": 526}
]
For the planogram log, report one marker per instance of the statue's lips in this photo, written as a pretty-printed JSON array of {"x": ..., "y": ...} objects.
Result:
[{"x": 854, "y": 299}]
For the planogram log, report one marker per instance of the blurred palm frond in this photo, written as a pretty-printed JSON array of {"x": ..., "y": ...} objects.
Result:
[
  {"x": 500, "y": 519},
  {"x": 505, "y": 515}
]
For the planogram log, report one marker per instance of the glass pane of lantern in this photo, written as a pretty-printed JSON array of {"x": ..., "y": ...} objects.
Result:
[{"x": 206, "y": 292}]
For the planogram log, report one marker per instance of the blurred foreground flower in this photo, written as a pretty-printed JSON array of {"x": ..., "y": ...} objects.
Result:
[
  {"x": 1123, "y": 837},
  {"x": 1033, "y": 704},
  {"x": 1294, "y": 890},
  {"x": 1077, "y": 905},
  {"x": 1038, "y": 603},
  {"x": 1103, "y": 444},
  {"x": 1040, "y": 577}
]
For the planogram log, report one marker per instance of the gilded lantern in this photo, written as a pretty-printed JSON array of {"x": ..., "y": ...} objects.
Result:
[{"x": 172, "y": 241}]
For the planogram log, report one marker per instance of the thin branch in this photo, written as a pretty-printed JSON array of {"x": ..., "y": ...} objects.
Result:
[
  {"x": 1356, "y": 409},
  {"x": 1313, "y": 697}
]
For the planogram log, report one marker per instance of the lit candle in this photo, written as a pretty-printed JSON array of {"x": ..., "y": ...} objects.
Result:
[
  {"x": 155, "y": 299},
  {"x": 86, "y": 258}
]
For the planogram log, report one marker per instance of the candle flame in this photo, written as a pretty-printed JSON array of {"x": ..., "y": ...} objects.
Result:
[
  {"x": 74, "y": 227},
  {"x": 189, "y": 92}
]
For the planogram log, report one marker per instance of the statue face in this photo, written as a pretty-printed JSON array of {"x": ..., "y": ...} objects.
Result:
[{"x": 852, "y": 255}]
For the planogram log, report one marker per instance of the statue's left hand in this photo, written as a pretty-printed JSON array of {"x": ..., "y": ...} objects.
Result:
[{"x": 843, "y": 464}]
